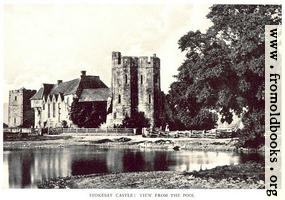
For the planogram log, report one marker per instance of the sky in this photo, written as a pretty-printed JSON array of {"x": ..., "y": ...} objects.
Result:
[{"x": 44, "y": 43}]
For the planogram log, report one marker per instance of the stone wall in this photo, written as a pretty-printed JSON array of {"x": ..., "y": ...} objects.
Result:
[{"x": 53, "y": 111}]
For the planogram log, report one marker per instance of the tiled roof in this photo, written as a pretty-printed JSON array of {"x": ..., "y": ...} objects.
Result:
[
  {"x": 65, "y": 88},
  {"x": 98, "y": 94},
  {"x": 71, "y": 87}
]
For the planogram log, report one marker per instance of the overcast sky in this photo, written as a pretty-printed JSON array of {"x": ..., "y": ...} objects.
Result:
[{"x": 45, "y": 43}]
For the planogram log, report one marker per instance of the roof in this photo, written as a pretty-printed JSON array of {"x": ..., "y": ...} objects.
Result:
[
  {"x": 98, "y": 94},
  {"x": 66, "y": 88},
  {"x": 70, "y": 87},
  {"x": 38, "y": 95},
  {"x": 43, "y": 92}
]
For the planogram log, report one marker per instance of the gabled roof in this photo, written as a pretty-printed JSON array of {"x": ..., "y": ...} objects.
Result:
[
  {"x": 69, "y": 87},
  {"x": 38, "y": 95},
  {"x": 89, "y": 82},
  {"x": 66, "y": 88},
  {"x": 98, "y": 94},
  {"x": 43, "y": 92}
]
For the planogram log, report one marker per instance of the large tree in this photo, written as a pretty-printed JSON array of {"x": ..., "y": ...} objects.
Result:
[
  {"x": 224, "y": 70},
  {"x": 88, "y": 114}
]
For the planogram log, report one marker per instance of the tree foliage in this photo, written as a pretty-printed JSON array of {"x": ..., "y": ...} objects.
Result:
[
  {"x": 87, "y": 114},
  {"x": 224, "y": 69},
  {"x": 137, "y": 120}
]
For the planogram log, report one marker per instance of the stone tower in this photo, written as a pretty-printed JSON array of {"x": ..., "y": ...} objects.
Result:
[
  {"x": 135, "y": 87},
  {"x": 124, "y": 86},
  {"x": 20, "y": 112},
  {"x": 149, "y": 88}
]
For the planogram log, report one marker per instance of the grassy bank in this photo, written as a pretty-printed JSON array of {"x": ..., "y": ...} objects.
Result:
[
  {"x": 137, "y": 141},
  {"x": 241, "y": 176}
]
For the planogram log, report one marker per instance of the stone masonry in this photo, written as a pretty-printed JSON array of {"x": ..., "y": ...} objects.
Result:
[
  {"x": 135, "y": 87},
  {"x": 20, "y": 113}
]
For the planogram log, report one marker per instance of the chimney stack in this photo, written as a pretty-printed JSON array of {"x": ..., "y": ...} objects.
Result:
[
  {"x": 154, "y": 55},
  {"x": 59, "y": 82},
  {"x": 83, "y": 73}
]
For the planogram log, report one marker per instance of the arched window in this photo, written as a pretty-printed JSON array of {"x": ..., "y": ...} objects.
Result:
[
  {"x": 119, "y": 98},
  {"x": 149, "y": 98},
  {"x": 126, "y": 78},
  {"x": 53, "y": 109},
  {"x": 48, "y": 110},
  {"x": 58, "y": 112}
]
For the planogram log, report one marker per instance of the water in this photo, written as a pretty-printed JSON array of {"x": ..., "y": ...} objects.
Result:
[{"x": 26, "y": 168}]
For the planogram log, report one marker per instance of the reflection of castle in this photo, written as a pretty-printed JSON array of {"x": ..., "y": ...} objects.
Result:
[
  {"x": 135, "y": 88},
  {"x": 27, "y": 168}
]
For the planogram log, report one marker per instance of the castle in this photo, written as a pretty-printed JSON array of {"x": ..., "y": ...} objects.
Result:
[
  {"x": 135, "y": 88},
  {"x": 52, "y": 103},
  {"x": 20, "y": 113}
]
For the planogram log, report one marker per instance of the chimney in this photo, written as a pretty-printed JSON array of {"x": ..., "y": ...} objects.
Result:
[
  {"x": 154, "y": 55},
  {"x": 83, "y": 74},
  {"x": 59, "y": 82}
]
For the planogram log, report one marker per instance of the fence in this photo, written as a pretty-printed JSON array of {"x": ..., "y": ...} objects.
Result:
[
  {"x": 99, "y": 131},
  {"x": 16, "y": 130},
  {"x": 57, "y": 131}
]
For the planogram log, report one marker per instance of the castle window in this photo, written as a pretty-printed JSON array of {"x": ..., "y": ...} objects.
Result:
[
  {"x": 115, "y": 115},
  {"x": 141, "y": 79},
  {"x": 43, "y": 106},
  {"x": 48, "y": 110},
  {"x": 15, "y": 98},
  {"x": 149, "y": 98},
  {"x": 53, "y": 109},
  {"x": 67, "y": 101},
  {"x": 15, "y": 120},
  {"x": 58, "y": 112},
  {"x": 126, "y": 78},
  {"x": 119, "y": 98}
]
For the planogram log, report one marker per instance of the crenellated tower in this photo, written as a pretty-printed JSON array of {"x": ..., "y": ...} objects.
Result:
[
  {"x": 135, "y": 87},
  {"x": 124, "y": 86},
  {"x": 149, "y": 87}
]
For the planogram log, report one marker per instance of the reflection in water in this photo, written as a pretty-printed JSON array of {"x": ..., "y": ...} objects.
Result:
[
  {"x": 28, "y": 167},
  {"x": 25, "y": 168}
]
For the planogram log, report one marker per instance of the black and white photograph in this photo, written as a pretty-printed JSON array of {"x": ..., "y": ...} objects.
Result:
[{"x": 121, "y": 95}]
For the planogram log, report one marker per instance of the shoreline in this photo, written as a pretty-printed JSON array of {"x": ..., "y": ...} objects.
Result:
[
  {"x": 241, "y": 176},
  {"x": 130, "y": 142}
]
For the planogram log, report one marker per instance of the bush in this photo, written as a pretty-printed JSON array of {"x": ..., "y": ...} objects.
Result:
[{"x": 138, "y": 120}]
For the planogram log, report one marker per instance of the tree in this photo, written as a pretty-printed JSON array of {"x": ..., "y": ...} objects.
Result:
[
  {"x": 88, "y": 114},
  {"x": 224, "y": 69},
  {"x": 137, "y": 120},
  {"x": 64, "y": 124}
]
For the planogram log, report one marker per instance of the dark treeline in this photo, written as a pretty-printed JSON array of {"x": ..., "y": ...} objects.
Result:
[{"x": 224, "y": 71}]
